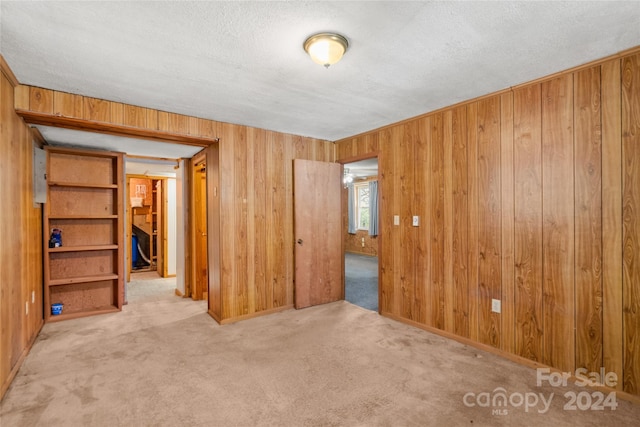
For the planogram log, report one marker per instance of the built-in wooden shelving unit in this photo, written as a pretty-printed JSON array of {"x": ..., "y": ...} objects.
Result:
[{"x": 84, "y": 200}]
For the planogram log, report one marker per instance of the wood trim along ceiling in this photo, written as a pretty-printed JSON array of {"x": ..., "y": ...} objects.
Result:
[{"x": 59, "y": 109}]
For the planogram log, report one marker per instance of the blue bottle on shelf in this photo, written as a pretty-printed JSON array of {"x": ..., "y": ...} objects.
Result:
[{"x": 56, "y": 238}]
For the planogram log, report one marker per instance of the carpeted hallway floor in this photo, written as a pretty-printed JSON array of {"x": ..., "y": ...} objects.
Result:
[
  {"x": 164, "y": 362},
  {"x": 361, "y": 280}
]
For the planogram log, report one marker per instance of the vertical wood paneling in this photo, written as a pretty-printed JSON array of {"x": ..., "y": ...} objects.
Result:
[
  {"x": 507, "y": 197},
  {"x": 68, "y": 105},
  {"x": 387, "y": 228},
  {"x": 278, "y": 206},
  {"x": 528, "y": 221},
  {"x": 448, "y": 220},
  {"x": 558, "y": 235},
  {"x": 612, "y": 337},
  {"x": 241, "y": 277},
  {"x": 588, "y": 220},
  {"x": 21, "y": 245},
  {"x": 117, "y": 113},
  {"x": 134, "y": 116},
  {"x": 405, "y": 136},
  {"x": 420, "y": 204},
  {"x": 259, "y": 219},
  {"x": 551, "y": 195},
  {"x": 472, "y": 139},
  {"x": 437, "y": 290},
  {"x": 151, "y": 118},
  {"x": 207, "y": 128},
  {"x": 489, "y": 236},
  {"x": 343, "y": 151},
  {"x": 324, "y": 151},
  {"x": 97, "y": 110},
  {"x": 421, "y": 152},
  {"x": 371, "y": 143},
  {"x": 630, "y": 222},
  {"x": 194, "y": 125},
  {"x": 12, "y": 283},
  {"x": 175, "y": 123},
  {"x": 22, "y": 95},
  {"x": 301, "y": 148},
  {"x": 460, "y": 222},
  {"x": 227, "y": 225},
  {"x": 403, "y": 289},
  {"x": 361, "y": 145},
  {"x": 213, "y": 229},
  {"x": 41, "y": 100},
  {"x": 288, "y": 219}
]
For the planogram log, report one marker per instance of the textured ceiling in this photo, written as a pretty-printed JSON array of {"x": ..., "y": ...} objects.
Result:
[{"x": 243, "y": 62}]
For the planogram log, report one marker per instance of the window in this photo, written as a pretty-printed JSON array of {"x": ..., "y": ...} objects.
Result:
[{"x": 362, "y": 205}]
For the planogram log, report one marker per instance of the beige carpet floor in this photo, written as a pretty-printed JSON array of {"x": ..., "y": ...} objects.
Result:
[{"x": 164, "y": 362}]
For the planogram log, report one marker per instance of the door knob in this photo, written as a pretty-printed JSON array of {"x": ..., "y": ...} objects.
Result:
[{"x": 299, "y": 242}]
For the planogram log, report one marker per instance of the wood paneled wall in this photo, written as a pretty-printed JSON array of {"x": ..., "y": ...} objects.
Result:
[
  {"x": 353, "y": 243},
  {"x": 251, "y": 265},
  {"x": 530, "y": 196},
  {"x": 21, "y": 241},
  {"x": 256, "y": 218},
  {"x": 50, "y": 107}
]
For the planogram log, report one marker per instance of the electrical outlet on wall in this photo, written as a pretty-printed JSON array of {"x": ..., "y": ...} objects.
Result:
[
  {"x": 495, "y": 305},
  {"x": 33, "y": 297},
  {"x": 26, "y": 308},
  {"x": 396, "y": 220}
]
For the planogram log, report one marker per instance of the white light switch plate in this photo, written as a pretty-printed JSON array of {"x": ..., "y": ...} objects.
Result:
[
  {"x": 495, "y": 305},
  {"x": 396, "y": 220},
  {"x": 416, "y": 220}
]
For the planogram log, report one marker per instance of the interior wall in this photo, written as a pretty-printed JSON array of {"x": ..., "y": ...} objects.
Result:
[
  {"x": 256, "y": 217},
  {"x": 360, "y": 243},
  {"x": 530, "y": 197},
  {"x": 21, "y": 314}
]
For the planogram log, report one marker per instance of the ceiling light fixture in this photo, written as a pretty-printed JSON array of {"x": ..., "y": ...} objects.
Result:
[{"x": 326, "y": 48}]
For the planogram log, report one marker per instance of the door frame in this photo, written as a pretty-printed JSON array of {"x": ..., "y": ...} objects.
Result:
[{"x": 372, "y": 155}]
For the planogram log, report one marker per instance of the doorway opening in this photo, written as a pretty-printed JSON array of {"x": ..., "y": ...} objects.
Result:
[
  {"x": 151, "y": 228},
  {"x": 147, "y": 224},
  {"x": 360, "y": 224}
]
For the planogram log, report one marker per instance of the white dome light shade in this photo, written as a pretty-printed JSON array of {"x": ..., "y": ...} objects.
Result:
[{"x": 326, "y": 48}]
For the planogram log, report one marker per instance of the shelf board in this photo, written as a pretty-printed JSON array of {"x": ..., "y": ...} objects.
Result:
[
  {"x": 82, "y": 279},
  {"x": 82, "y": 313},
  {"x": 83, "y": 217},
  {"x": 80, "y": 185},
  {"x": 82, "y": 248}
]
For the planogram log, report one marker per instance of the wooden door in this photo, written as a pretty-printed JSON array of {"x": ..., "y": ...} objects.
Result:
[
  {"x": 318, "y": 233},
  {"x": 200, "y": 272}
]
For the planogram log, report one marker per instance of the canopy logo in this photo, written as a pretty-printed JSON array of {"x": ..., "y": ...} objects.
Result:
[{"x": 500, "y": 401}]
